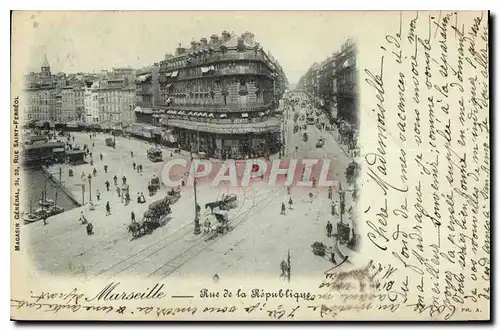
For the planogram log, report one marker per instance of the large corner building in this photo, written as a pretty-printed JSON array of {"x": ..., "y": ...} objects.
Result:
[{"x": 219, "y": 96}]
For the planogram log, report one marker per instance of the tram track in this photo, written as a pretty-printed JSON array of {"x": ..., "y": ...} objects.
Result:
[
  {"x": 183, "y": 232},
  {"x": 176, "y": 263}
]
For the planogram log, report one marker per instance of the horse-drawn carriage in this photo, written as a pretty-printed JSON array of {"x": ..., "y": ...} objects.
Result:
[
  {"x": 227, "y": 202},
  {"x": 223, "y": 225},
  {"x": 173, "y": 195},
  {"x": 154, "y": 186},
  {"x": 110, "y": 142},
  {"x": 155, "y": 154},
  {"x": 152, "y": 218}
]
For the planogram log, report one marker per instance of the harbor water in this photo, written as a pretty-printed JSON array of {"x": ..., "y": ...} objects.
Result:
[{"x": 33, "y": 184}]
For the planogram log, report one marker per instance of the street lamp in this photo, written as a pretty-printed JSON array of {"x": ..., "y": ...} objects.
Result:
[
  {"x": 197, "y": 229},
  {"x": 90, "y": 187}
]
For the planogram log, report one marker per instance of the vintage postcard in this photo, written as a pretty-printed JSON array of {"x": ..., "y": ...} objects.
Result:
[{"x": 286, "y": 165}]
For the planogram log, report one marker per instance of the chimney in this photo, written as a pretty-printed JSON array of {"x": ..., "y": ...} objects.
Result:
[
  {"x": 193, "y": 45},
  {"x": 225, "y": 36},
  {"x": 240, "y": 42},
  {"x": 179, "y": 50},
  {"x": 203, "y": 42},
  {"x": 248, "y": 37},
  {"x": 214, "y": 39}
]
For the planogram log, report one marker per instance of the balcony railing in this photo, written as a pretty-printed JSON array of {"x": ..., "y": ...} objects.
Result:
[
  {"x": 216, "y": 57},
  {"x": 221, "y": 108},
  {"x": 217, "y": 125},
  {"x": 216, "y": 120}
]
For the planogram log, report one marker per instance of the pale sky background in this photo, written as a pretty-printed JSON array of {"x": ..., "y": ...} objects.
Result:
[{"x": 88, "y": 41}]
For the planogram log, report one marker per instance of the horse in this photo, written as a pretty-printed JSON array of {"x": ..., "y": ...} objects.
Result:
[
  {"x": 212, "y": 205},
  {"x": 135, "y": 228}
]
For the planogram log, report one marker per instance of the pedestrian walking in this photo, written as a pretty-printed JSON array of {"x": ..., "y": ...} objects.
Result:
[
  {"x": 95, "y": 172},
  {"x": 289, "y": 189},
  {"x": 329, "y": 228},
  {"x": 93, "y": 144},
  {"x": 133, "y": 165},
  {"x": 118, "y": 191},
  {"x": 283, "y": 209},
  {"x": 44, "y": 219},
  {"x": 311, "y": 195},
  {"x": 330, "y": 192},
  {"x": 115, "y": 179},
  {"x": 334, "y": 208},
  {"x": 131, "y": 154},
  {"x": 98, "y": 195},
  {"x": 82, "y": 219},
  {"x": 100, "y": 156},
  {"x": 105, "y": 168},
  {"x": 107, "y": 185},
  {"x": 108, "y": 209},
  {"x": 132, "y": 217},
  {"x": 332, "y": 257},
  {"x": 290, "y": 204},
  {"x": 127, "y": 198},
  {"x": 90, "y": 229},
  {"x": 124, "y": 180}
]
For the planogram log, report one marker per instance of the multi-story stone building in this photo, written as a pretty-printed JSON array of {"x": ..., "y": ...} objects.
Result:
[
  {"x": 115, "y": 100},
  {"x": 220, "y": 96},
  {"x": 91, "y": 102},
  {"x": 333, "y": 83},
  {"x": 68, "y": 103},
  {"x": 147, "y": 95},
  {"x": 40, "y": 95},
  {"x": 347, "y": 87}
]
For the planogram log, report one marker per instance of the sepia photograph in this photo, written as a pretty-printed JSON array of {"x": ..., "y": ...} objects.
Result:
[{"x": 333, "y": 165}]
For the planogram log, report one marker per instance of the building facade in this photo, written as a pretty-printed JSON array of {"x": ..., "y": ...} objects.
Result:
[
  {"x": 115, "y": 100},
  {"x": 219, "y": 96},
  {"x": 40, "y": 95},
  {"x": 333, "y": 84}
]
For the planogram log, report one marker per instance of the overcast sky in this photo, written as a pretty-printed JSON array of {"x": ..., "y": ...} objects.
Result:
[{"x": 88, "y": 41}]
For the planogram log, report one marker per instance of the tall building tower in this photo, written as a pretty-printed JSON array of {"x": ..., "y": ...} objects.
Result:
[{"x": 45, "y": 67}]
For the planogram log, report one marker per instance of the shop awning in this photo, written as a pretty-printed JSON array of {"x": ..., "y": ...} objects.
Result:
[
  {"x": 262, "y": 113},
  {"x": 211, "y": 115},
  {"x": 190, "y": 113},
  {"x": 169, "y": 85},
  {"x": 204, "y": 114},
  {"x": 223, "y": 116},
  {"x": 156, "y": 115},
  {"x": 174, "y": 74},
  {"x": 244, "y": 115},
  {"x": 138, "y": 109},
  {"x": 168, "y": 74},
  {"x": 205, "y": 69}
]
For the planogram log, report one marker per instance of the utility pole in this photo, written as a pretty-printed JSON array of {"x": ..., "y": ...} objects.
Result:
[
  {"x": 197, "y": 229},
  {"x": 342, "y": 202},
  {"x": 289, "y": 266},
  {"x": 90, "y": 187}
]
